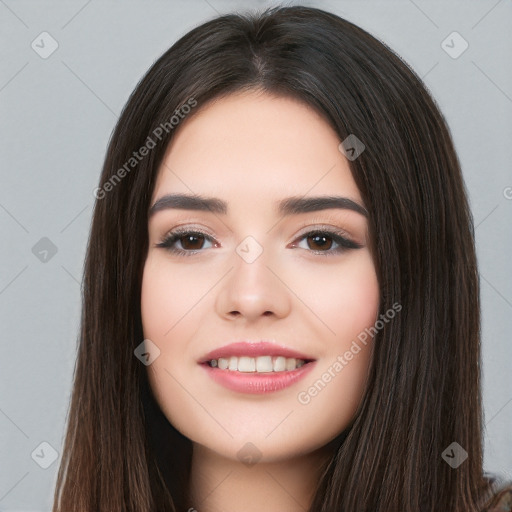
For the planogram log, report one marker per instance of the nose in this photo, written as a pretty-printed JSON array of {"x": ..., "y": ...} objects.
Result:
[{"x": 253, "y": 289}]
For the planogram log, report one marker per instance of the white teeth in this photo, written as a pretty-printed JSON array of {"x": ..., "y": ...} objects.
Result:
[
  {"x": 246, "y": 364},
  {"x": 261, "y": 364},
  {"x": 290, "y": 364},
  {"x": 264, "y": 364},
  {"x": 280, "y": 364}
]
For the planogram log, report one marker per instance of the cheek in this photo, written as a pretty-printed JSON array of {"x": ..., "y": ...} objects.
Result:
[
  {"x": 170, "y": 310},
  {"x": 357, "y": 298},
  {"x": 156, "y": 304},
  {"x": 344, "y": 298},
  {"x": 349, "y": 306},
  {"x": 170, "y": 300},
  {"x": 166, "y": 297}
]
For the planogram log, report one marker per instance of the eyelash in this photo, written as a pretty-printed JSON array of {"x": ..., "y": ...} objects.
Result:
[{"x": 338, "y": 237}]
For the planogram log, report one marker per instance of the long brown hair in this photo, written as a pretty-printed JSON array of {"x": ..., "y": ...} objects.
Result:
[{"x": 423, "y": 392}]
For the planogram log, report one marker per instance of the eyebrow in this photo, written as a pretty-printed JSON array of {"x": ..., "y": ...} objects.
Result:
[{"x": 288, "y": 206}]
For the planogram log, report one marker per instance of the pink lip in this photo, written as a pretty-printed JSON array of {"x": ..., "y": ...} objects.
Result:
[
  {"x": 262, "y": 348},
  {"x": 257, "y": 383}
]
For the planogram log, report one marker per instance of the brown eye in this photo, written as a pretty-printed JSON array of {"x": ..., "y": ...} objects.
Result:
[
  {"x": 319, "y": 242},
  {"x": 327, "y": 243},
  {"x": 191, "y": 242}
]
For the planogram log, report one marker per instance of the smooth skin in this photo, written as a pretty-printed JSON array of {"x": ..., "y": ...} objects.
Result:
[{"x": 251, "y": 150}]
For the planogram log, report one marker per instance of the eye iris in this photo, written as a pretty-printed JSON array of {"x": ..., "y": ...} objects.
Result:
[
  {"x": 322, "y": 239},
  {"x": 190, "y": 237}
]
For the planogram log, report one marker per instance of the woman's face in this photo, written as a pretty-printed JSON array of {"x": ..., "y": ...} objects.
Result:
[{"x": 254, "y": 273}]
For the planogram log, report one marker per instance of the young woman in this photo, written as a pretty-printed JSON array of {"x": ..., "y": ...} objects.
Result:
[{"x": 281, "y": 301}]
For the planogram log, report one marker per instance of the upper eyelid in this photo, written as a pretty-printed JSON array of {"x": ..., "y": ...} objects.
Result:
[
  {"x": 308, "y": 228},
  {"x": 320, "y": 226},
  {"x": 319, "y": 221}
]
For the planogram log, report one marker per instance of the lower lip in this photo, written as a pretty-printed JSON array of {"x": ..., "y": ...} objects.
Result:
[{"x": 257, "y": 383}]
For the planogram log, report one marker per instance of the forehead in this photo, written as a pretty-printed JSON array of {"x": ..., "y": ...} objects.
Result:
[{"x": 255, "y": 146}]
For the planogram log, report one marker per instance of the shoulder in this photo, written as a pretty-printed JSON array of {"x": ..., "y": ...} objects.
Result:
[{"x": 501, "y": 500}]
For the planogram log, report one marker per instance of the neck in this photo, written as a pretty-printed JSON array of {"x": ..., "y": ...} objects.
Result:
[{"x": 219, "y": 484}]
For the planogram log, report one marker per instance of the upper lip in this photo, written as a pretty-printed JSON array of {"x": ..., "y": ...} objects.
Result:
[{"x": 254, "y": 349}]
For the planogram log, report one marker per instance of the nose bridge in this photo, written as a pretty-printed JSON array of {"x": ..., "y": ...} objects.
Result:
[{"x": 252, "y": 289}]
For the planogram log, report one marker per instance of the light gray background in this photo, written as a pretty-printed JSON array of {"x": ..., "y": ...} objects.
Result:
[{"x": 56, "y": 118}]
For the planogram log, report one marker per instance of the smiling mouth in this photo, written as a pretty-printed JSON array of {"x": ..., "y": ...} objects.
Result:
[{"x": 260, "y": 364}]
